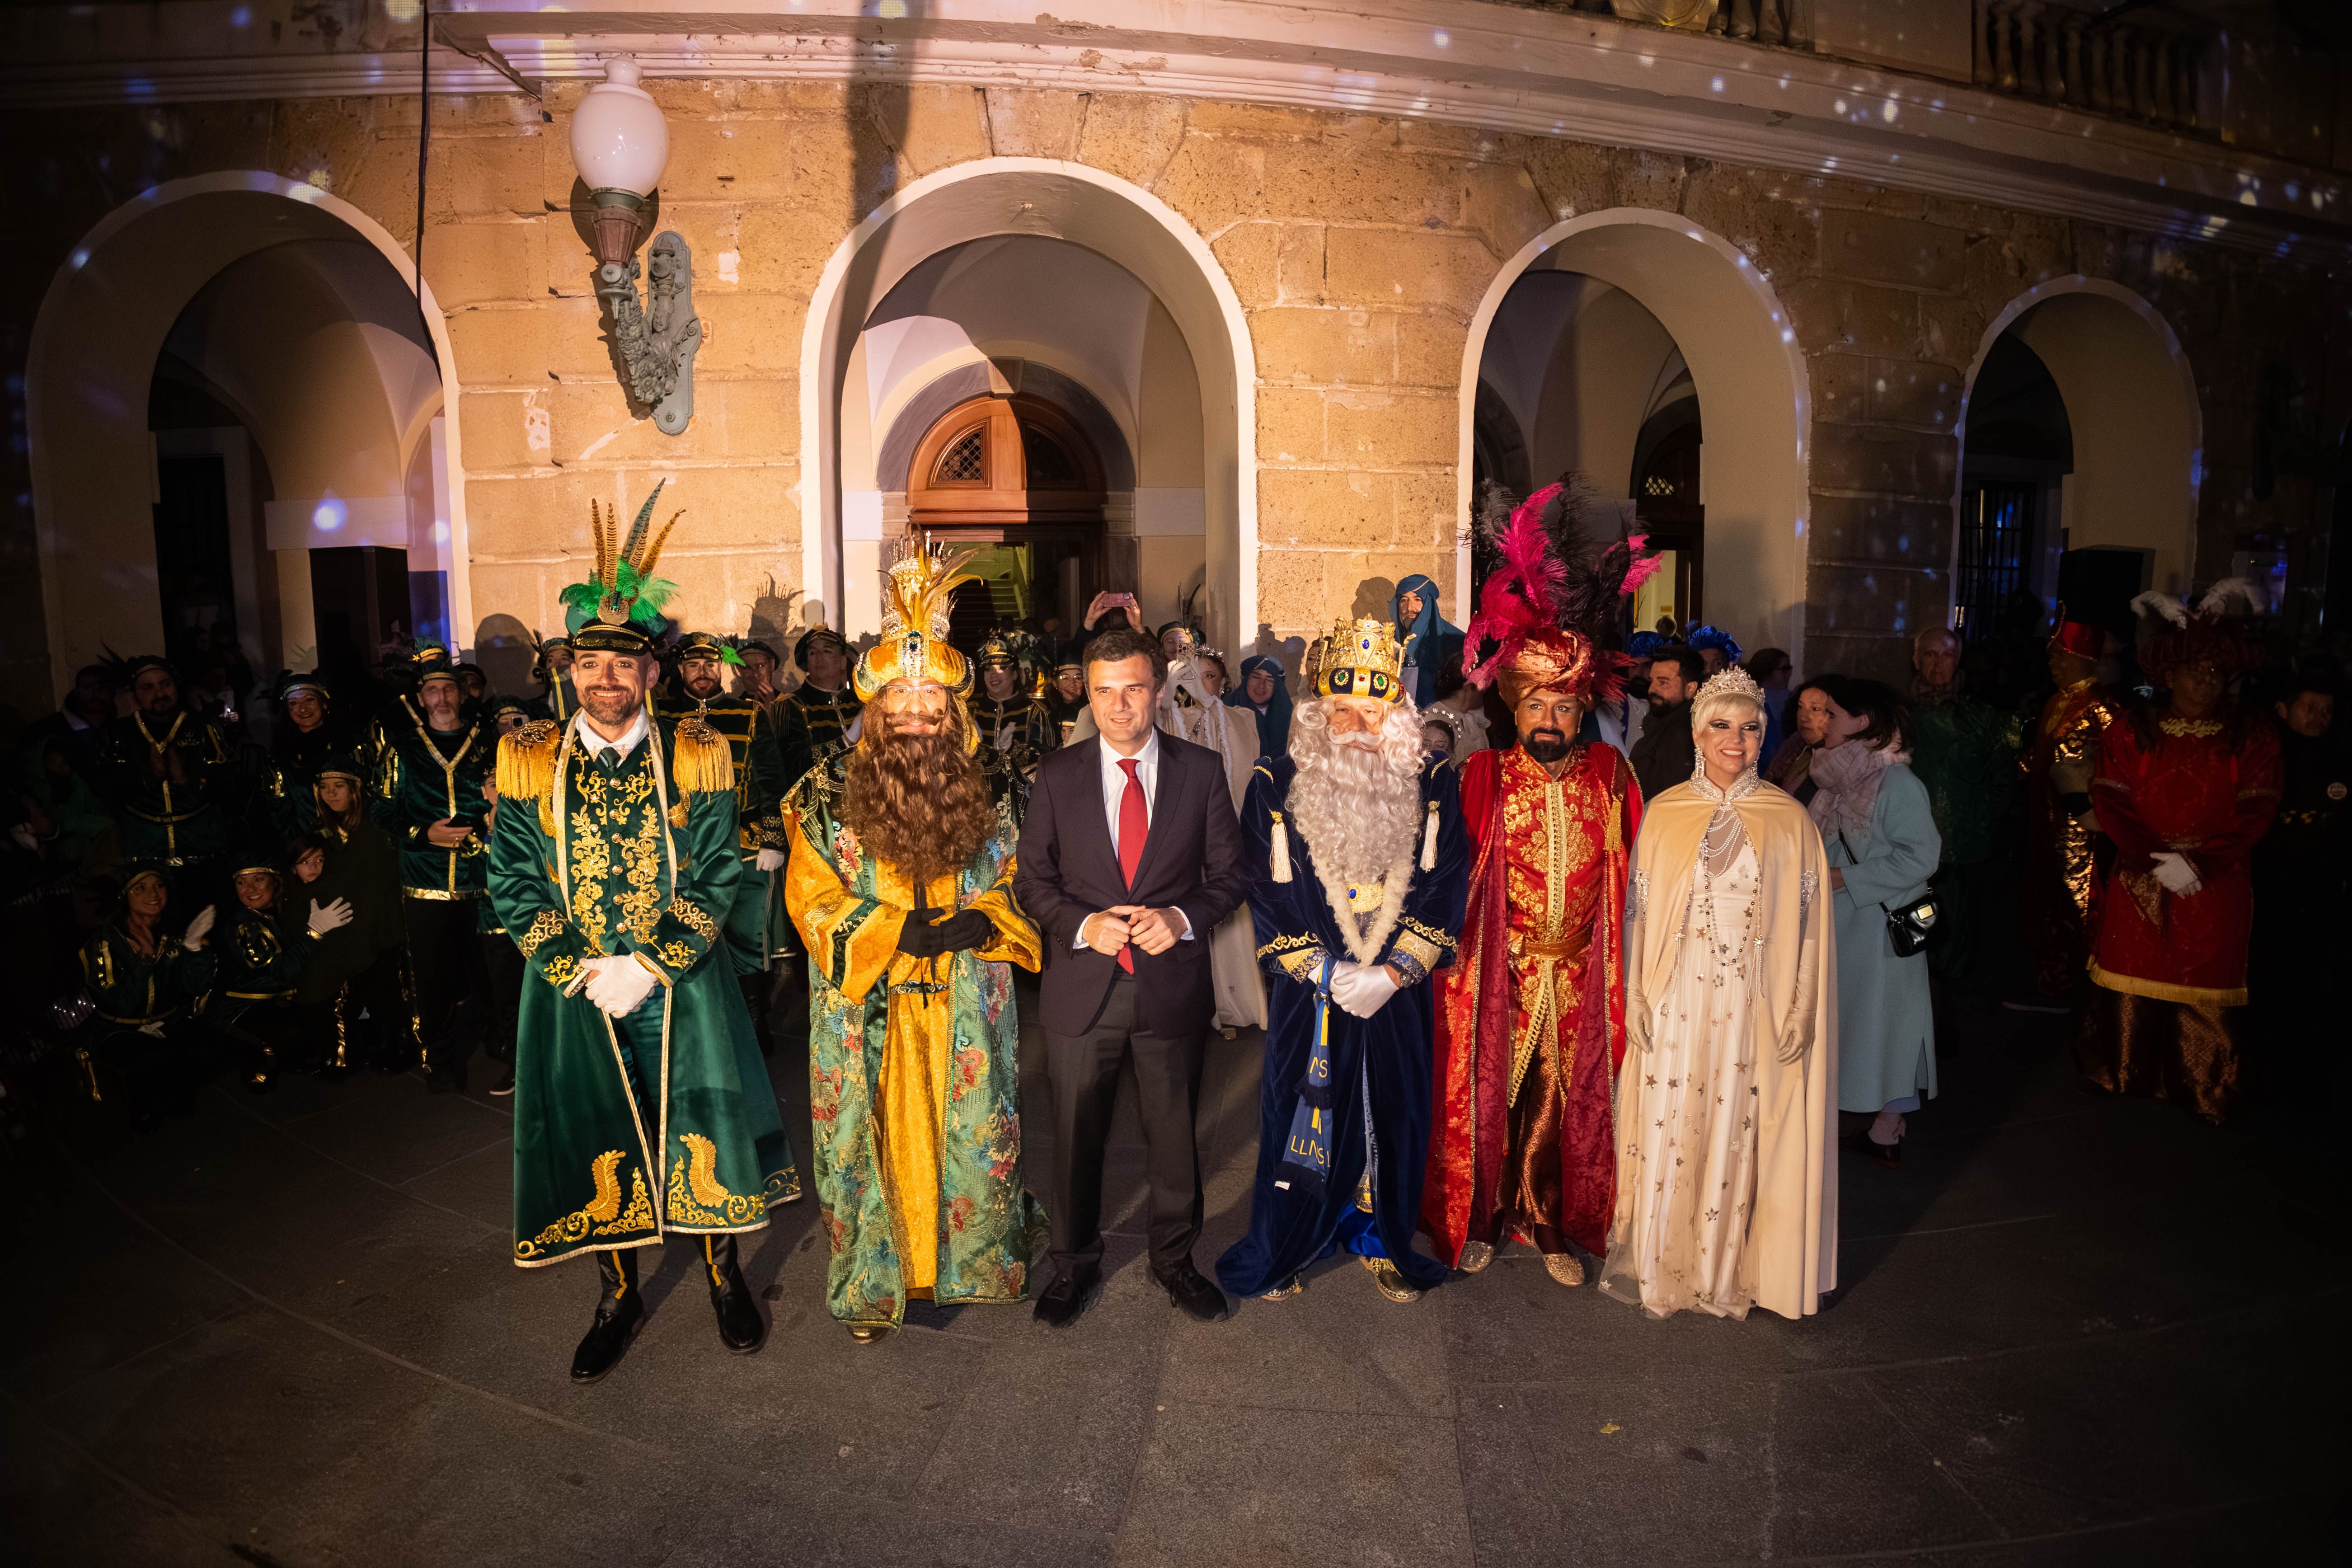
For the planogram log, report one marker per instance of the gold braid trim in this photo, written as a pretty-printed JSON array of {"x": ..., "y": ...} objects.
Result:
[
  {"x": 527, "y": 761},
  {"x": 701, "y": 761},
  {"x": 548, "y": 923}
]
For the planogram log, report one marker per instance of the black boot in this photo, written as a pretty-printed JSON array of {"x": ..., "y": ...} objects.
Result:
[
  {"x": 739, "y": 1327},
  {"x": 619, "y": 1310}
]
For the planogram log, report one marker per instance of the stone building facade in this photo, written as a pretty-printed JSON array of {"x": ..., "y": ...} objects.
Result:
[{"x": 1364, "y": 251}]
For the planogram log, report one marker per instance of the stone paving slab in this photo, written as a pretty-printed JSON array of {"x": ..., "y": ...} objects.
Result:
[{"x": 2071, "y": 1329}]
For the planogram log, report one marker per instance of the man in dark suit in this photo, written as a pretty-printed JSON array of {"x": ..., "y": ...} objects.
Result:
[{"x": 1130, "y": 856}]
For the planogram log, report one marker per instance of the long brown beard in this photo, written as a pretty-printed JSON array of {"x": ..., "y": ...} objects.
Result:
[{"x": 918, "y": 802}]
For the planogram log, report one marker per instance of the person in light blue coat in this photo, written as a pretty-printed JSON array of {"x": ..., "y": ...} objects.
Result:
[{"x": 1880, "y": 833}]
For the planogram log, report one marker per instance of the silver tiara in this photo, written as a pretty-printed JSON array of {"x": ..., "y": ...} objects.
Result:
[{"x": 1732, "y": 681}]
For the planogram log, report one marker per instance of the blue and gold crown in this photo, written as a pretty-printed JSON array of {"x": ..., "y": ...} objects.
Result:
[{"x": 1360, "y": 659}]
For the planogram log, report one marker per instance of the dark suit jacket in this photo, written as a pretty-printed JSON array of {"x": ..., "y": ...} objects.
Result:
[{"x": 1068, "y": 870}]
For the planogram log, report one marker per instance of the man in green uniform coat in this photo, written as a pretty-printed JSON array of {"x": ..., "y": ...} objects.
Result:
[
  {"x": 168, "y": 773},
  {"x": 641, "y": 1105},
  {"x": 1016, "y": 728},
  {"x": 432, "y": 755},
  {"x": 270, "y": 939},
  {"x": 756, "y": 925},
  {"x": 813, "y": 721},
  {"x": 1965, "y": 751}
]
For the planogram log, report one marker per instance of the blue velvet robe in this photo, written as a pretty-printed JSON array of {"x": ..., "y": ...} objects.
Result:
[{"x": 1385, "y": 1059}]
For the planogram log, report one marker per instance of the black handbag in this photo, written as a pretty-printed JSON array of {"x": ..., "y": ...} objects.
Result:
[{"x": 1908, "y": 927}]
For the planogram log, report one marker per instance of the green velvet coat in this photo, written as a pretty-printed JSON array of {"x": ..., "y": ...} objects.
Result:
[{"x": 646, "y": 864}]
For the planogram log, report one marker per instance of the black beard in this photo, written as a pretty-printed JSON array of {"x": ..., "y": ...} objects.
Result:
[
  {"x": 1547, "y": 746},
  {"x": 702, "y": 690}
]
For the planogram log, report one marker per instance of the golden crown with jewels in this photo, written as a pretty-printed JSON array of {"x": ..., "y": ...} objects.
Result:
[
  {"x": 1360, "y": 659},
  {"x": 917, "y": 593}
]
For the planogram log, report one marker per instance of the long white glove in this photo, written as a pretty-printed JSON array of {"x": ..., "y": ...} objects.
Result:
[
  {"x": 192, "y": 939},
  {"x": 773, "y": 859},
  {"x": 329, "y": 917},
  {"x": 1361, "y": 989},
  {"x": 2177, "y": 874},
  {"x": 618, "y": 984}
]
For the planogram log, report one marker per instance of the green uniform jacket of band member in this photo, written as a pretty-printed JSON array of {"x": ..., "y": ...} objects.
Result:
[
  {"x": 175, "y": 823},
  {"x": 811, "y": 728},
  {"x": 757, "y": 929},
  {"x": 417, "y": 783},
  {"x": 646, "y": 862}
]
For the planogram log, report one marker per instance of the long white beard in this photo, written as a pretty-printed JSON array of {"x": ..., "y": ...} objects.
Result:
[{"x": 1357, "y": 807}]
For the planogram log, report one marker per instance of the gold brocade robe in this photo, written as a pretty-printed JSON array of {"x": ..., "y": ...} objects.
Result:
[
  {"x": 914, "y": 1077},
  {"x": 2059, "y": 881}
]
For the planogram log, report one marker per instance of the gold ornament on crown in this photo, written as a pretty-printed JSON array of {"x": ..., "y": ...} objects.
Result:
[
  {"x": 1360, "y": 659},
  {"x": 917, "y": 593}
]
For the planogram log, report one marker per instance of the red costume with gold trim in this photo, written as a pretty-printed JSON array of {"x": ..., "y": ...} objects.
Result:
[
  {"x": 1531, "y": 1014},
  {"x": 2171, "y": 967}
]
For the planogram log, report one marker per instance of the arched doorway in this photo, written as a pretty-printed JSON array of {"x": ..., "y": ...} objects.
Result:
[
  {"x": 1014, "y": 479},
  {"x": 2080, "y": 437},
  {"x": 1640, "y": 322},
  {"x": 164, "y": 297},
  {"x": 1215, "y": 515}
]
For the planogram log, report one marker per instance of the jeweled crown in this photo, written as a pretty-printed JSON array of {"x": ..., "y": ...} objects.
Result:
[
  {"x": 1360, "y": 659},
  {"x": 917, "y": 593}
]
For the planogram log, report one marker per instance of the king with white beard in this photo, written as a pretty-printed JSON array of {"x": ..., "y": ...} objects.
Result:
[{"x": 1359, "y": 867}]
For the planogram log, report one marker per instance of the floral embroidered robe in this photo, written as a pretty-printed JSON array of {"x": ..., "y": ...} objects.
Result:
[
  {"x": 623, "y": 875},
  {"x": 1531, "y": 1019},
  {"x": 2057, "y": 876},
  {"x": 914, "y": 1070}
]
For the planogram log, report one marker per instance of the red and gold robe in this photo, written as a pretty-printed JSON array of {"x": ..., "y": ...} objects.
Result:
[
  {"x": 2058, "y": 878},
  {"x": 1531, "y": 1014},
  {"x": 2206, "y": 789}
]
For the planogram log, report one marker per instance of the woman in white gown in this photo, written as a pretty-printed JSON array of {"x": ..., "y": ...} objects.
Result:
[{"x": 1726, "y": 1150}]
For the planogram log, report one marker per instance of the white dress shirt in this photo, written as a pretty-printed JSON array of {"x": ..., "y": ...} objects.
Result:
[
  {"x": 1114, "y": 788},
  {"x": 597, "y": 745}
]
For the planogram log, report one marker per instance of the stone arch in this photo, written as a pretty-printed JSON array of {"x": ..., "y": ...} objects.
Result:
[
  {"x": 1068, "y": 201},
  {"x": 2131, "y": 403},
  {"x": 96, "y": 338},
  {"x": 1752, "y": 385}
]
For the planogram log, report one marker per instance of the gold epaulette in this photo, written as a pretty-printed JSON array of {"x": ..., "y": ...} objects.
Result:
[
  {"x": 527, "y": 759},
  {"x": 701, "y": 759}
]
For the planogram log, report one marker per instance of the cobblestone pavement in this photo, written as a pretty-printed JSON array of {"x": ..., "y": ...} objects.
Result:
[{"x": 284, "y": 1331}]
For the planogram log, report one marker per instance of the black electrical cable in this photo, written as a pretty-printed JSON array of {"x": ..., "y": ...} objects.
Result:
[{"x": 424, "y": 144}]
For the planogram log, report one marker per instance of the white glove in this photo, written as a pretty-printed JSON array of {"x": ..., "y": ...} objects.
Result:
[
  {"x": 619, "y": 984},
  {"x": 329, "y": 917},
  {"x": 2177, "y": 874},
  {"x": 192, "y": 939},
  {"x": 1361, "y": 989},
  {"x": 773, "y": 860}
]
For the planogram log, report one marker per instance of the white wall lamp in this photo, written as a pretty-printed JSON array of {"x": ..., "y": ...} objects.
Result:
[{"x": 620, "y": 144}]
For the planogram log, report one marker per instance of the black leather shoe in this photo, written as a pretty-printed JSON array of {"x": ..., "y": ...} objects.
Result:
[
  {"x": 740, "y": 1329},
  {"x": 619, "y": 1310},
  {"x": 1065, "y": 1297},
  {"x": 1198, "y": 1297}
]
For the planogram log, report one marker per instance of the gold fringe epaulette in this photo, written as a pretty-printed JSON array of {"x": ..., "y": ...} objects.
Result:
[
  {"x": 701, "y": 759},
  {"x": 527, "y": 759}
]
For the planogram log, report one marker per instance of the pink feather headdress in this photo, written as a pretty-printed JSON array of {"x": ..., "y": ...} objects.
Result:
[{"x": 1547, "y": 610}]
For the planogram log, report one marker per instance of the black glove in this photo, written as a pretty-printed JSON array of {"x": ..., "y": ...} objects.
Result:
[{"x": 954, "y": 934}]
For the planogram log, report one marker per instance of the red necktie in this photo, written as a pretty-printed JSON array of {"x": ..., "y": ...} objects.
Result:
[{"x": 1134, "y": 827}]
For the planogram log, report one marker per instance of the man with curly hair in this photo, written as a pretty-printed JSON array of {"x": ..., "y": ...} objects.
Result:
[{"x": 901, "y": 881}]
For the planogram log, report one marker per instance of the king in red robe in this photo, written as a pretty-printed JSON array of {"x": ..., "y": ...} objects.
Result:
[
  {"x": 2184, "y": 791},
  {"x": 1531, "y": 1015}
]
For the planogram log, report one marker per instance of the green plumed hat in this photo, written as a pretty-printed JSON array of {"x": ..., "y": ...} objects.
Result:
[{"x": 619, "y": 608}]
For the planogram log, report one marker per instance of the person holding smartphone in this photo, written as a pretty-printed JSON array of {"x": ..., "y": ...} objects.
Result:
[{"x": 434, "y": 757}]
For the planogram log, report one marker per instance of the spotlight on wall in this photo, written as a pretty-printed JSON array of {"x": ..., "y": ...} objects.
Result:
[{"x": 620, "y": 144}]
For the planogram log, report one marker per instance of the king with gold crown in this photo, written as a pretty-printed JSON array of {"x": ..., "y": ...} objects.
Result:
[
  {"x": 642, "y": 1108},
  {"x": 901, "y": 881},
  {"x": 1360, "y": 863}
]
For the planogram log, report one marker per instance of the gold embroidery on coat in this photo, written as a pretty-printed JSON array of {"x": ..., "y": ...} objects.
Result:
[{"x": 696, "y": 1195}]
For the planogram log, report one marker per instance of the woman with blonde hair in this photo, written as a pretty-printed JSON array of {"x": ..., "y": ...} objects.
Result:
[{"x": 1727, "y": 1155}]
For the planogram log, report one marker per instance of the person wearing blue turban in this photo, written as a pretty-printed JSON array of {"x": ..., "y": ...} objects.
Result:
[
  {"x": 1413, "y": 610},
  {"x": 1263, "y": 692}
]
